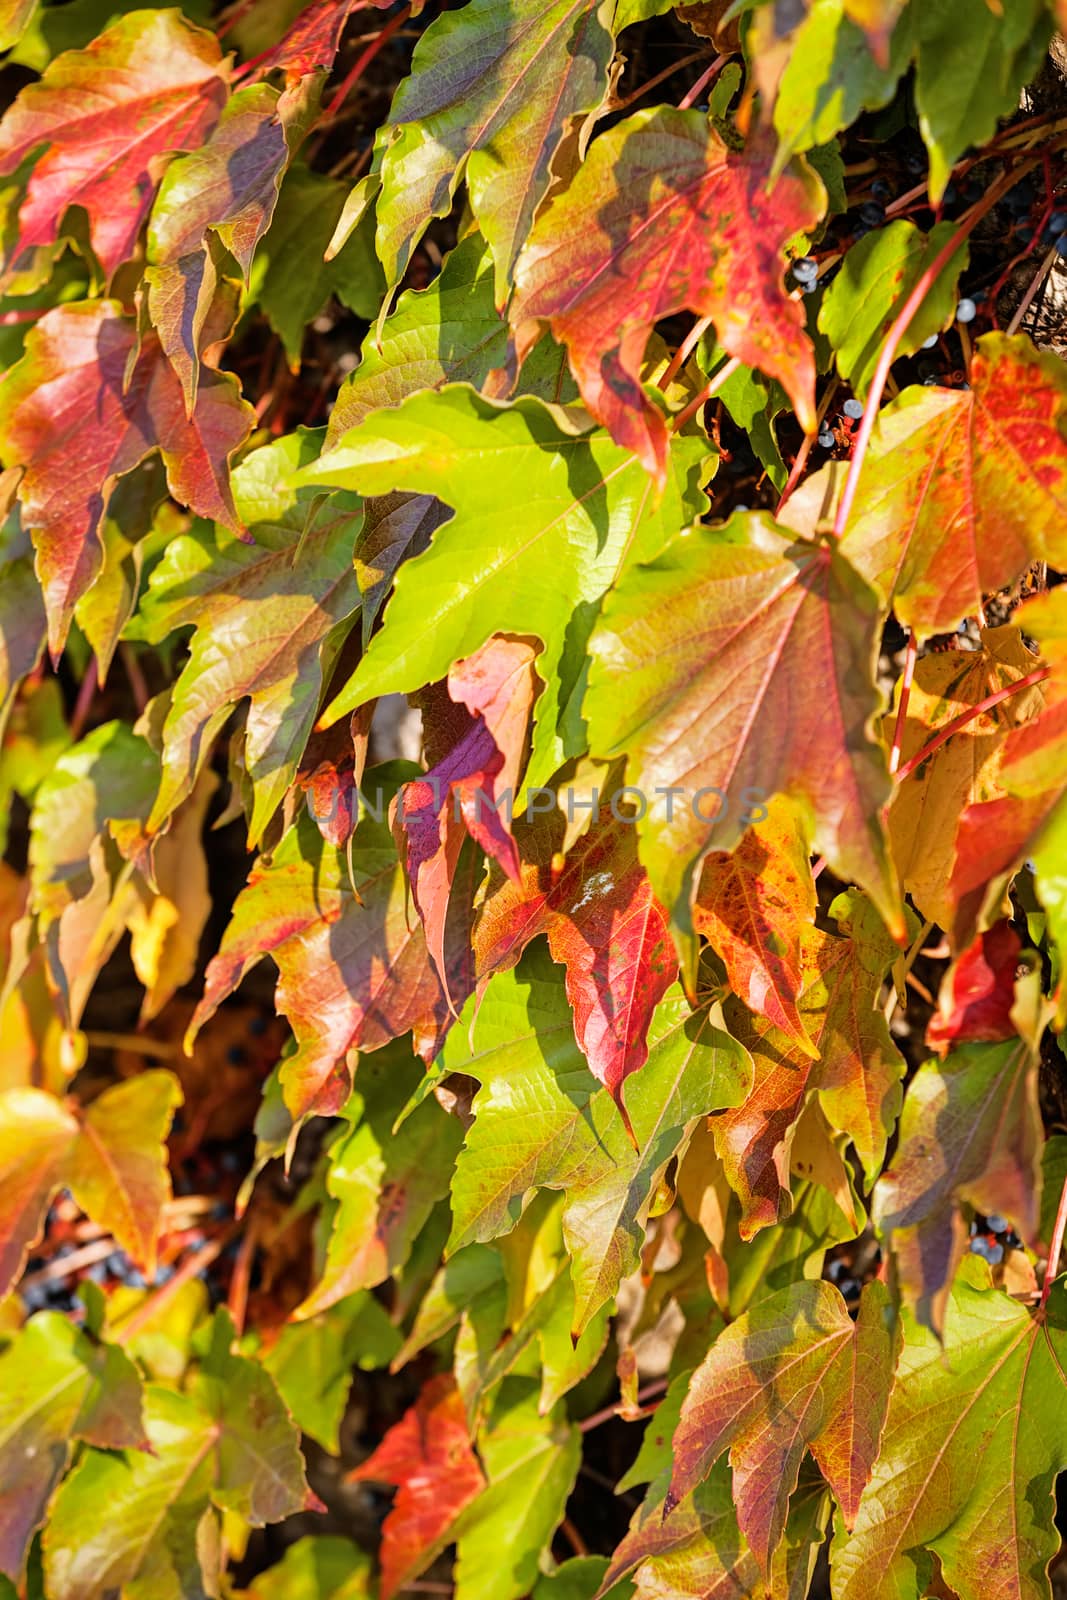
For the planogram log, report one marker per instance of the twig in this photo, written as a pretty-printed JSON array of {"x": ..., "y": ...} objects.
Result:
[
  {"x": 73, "y": 1261},
  {"x": 155, "y": 1302},
  {"x": 362, "y": 62},
  {"x": 1031, "y": 294},
  {"x": 82, "y": 705},
  {"x": 702, "y": 82},
  {"x": 684, "y": 351},
  {"x": 135, "y": 677},
  {"x": 801, "y": 461},
  {"x": 573, "y": 1537},
  {"x": 649, "y": 1392},
  {"x": 241, "y": 1278},
  {"x": 1038, "y": 675},
  {"x": 136, "y": 1043},
  {"x": 668, "y": 72}
]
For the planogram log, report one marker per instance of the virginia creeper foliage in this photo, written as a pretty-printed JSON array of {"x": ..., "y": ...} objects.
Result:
[{"x": 533, "y": 799}]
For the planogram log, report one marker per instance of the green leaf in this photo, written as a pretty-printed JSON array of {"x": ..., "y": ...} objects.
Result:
[
  {"x": 22, "y": 617},
  {"x": 582, "y": 509},
  {"x": 527, "y": 1455},
  {"x": 311, "y": 1362},
  {"x": 831, "y": 76},
  {"x": 385, "y": 1183},
  {"x": 541, "y": 1123},
  {"x": 877, "y": 275},
  {"x": 317, "y": 1567},
  {"x": 290, "y": 280},
  {"x": 56, "y": 1385},
  {"x": 491, "y": 93},
  {"x": 450, "y": 332},
  {"x": 960, "y": 1474}
]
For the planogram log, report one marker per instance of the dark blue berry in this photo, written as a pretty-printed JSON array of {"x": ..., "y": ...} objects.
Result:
[
  {"x": 853, "y": 409},
  {"x": 880, "y": 190},
  {"x": 872, "y": 213}
]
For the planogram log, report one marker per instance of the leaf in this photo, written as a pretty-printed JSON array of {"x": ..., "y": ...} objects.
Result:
[
  {"x": 269, "y": 619},
  {"x": 753, "y": 906},
  {"x": 469, "y": 791},
  {"x": 856, "y": 1072},
  {"x": 289, "y": 278},
  {"x": 311, "y": 43},
  {"x": 957, "y": 1475},
  {"x": 540, "y": 1123},
  {"x": 877, "y": 276},
  {"x": 971, "y": 63},
  {"x": 354, "y": 972},
  {"x": 225, "y": 190},
  {"x": 663, "y": 217},
  {"x": 69, "y": 417},
  {"x": 36, "y": 1135},
  {"x": 148, "y": 85},
  {"x": 318, "y": 1566},
  {"x": 167, "y": 923},
  {"x": 311, "y": 1362},
  {"x": 978, "y": 992},
  {"x": 56, "y": 1385},
  {"x": 831, "y": 75},
  {"x": 226, "y": 1441},
  {"x": 450, "y": 332},
  {"x": 970, "y": 1132},
  {"x": 604, "y": 925},
  {"x": 962, "y": 488},
  {"x": 491, "y": 94},
  {"x": 385, "y": 1183},
  {"x": 783, "y": 1379},
  {"x": 428, "y": 1456},
  {"x": 118, "y": 1171},
  {"x": 522, "y": 1453},
  {"x": 22, "y": 619},
  {"x": 965, "y": 769},
  {"x": 709, "y": 639},
  {"x": 539, "y": 571},
  {"x": 15, "y": 16}
]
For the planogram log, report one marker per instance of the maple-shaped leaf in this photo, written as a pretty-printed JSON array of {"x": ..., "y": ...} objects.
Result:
[
  {"x": 491, "y": 94},
  {"x": 57, "y": 1384},
  {"x": 269, "y": 619},
  {"x": 227, "y": 190},
  {"x": 103, "y": 118},
  {"x": 449, "y": 332},
  {"x": 970, "y": 1131},
  {"x": 963, "y": 771},
  {"x": 793, "y": 1374},
  {"x": 752, "y": 905},
  {"x": 385, "y": 1183},
  {"x": 962, "y": 489},
  {"x": 978, "y": 993},
  {"x": 227, "y": 1440},
  {"x": 110, "y": 1155},
  {"x": 539, "y": 1121},
  {"x": 428, "y": 1456},
  {"x": 579, "y": 509},
  {"x": 605, "y": 927},
  {"x": 856, "y": 1072},
  {"x": 470, "y": 791},
  {"x": 663, "y": 217},
  {"x": 75, "y": 418},
  {"x": 970, "y": 1449},
  {"x": 354, "y": 970},
  {"x": 711, "y": 640}
]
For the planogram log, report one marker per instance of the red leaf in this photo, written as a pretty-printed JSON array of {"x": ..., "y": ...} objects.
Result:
[
  {"x": 428, "y": 1456},
  {"x": 497, "y": 686},
  {"x": 752, "y": 906},
  {"x": 663, "y": 217},
  {"x": 69, "y": 417},
  {"x": 604, "y": 925},
  {"x": 149, "y": 85},
  {"x": 311, "y": 43},
  {"x": 978, "y": 993}
]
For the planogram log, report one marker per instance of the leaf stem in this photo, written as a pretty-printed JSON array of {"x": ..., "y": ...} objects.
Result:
[
  {"x": 1055, "y": 1247},
  {"x": 1038, "y": 675},
  {"x": 689, "y": 99},
  {"x": 900, "y": 327},
  {"x": 363, "y": 61},
  {"x": 906, "y": 676},
  {"x": 684, "y": 351},
  {"x": 668, "y": 72},
  {"x": 649, "y": 1392},
  {"x": 712, "y": 386}
]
